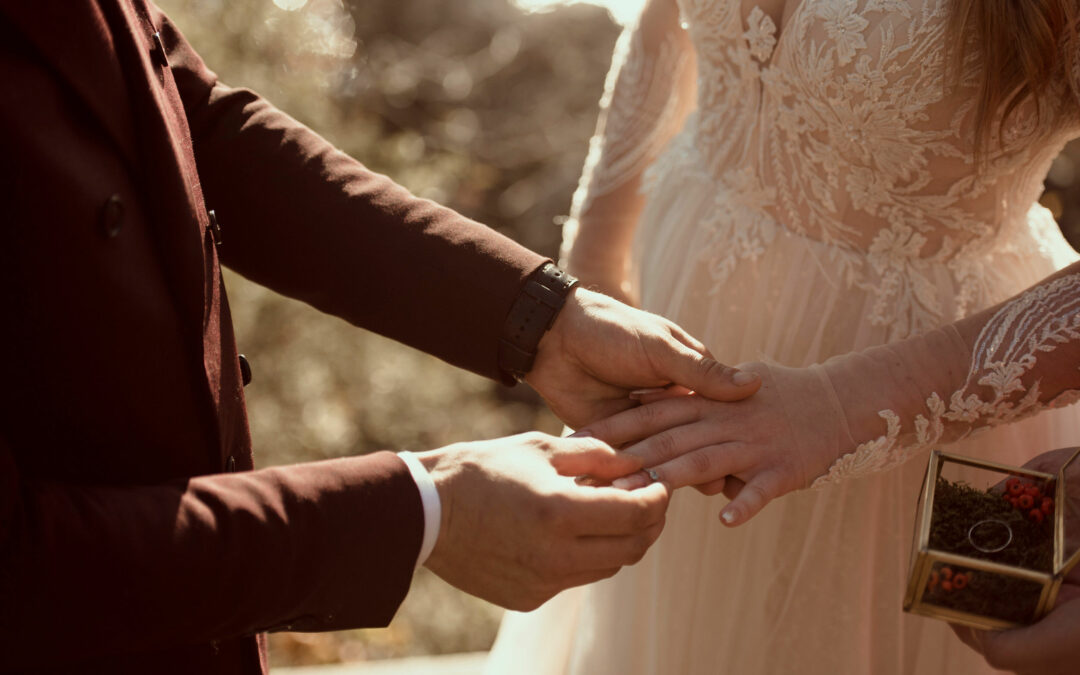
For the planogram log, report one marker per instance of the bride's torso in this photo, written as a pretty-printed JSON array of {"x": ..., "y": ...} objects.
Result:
[{"x": 844, "y": 125}]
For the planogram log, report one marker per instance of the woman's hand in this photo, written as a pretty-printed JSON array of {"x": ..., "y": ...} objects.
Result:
[{"x": 752, "y": 450}]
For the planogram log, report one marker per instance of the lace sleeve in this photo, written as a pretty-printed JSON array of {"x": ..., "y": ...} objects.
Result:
[
  {"x": 648, "y": 93},
  {"x": 1021, "y": 357}
]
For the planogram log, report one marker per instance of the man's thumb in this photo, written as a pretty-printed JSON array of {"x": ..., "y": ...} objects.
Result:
[
  {"x": 584, "y": 456},
  {"x": 707, "y": 376}
]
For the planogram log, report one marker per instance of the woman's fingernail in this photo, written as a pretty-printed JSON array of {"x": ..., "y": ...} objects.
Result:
[
  {"x": 584, "y": 433},
  {"x": 728, "y": 517},
  {"x": 742, "y": 377}
]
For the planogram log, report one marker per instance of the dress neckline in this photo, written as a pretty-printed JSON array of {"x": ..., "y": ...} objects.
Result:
[{"x": 779, "y": 31}]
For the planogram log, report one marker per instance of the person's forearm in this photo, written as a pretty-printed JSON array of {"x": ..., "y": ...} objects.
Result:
[
  {"x": 650, "y": 90},
  {"x": 303, "y": 218},
  {"x": 319, "y": 546},
  {"x": 1000, "y": 365}
]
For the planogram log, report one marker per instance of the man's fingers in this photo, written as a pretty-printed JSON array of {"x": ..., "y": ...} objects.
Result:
[
  {"x": 969, "y": 636},
  {"x": 600, "y": 511},
  {"x": 687, "y": 339},
  {"x": 584, "y": 456},
  {"x": 654, "y": 394},
  {"x": 644, "y": 421},
  {"x": 690, "y": 368},
  {"x": 1047, "y": 646},
  {"x": 609, "y": 551}
]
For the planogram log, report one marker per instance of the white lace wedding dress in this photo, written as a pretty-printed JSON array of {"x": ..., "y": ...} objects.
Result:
[{"x": 788, "y": 186}]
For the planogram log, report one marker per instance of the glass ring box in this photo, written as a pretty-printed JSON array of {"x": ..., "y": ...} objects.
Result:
[{"x": 993, "y": 543}]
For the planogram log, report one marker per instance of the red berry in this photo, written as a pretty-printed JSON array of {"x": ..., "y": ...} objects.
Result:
[
  {"x": 959, "y": 581},
  {"x": 933, "y": 580},
  {"x": 1033, "y": 490},
  {"x": 1025, "y": 501},
  {"x": 946, "y": 573},
  {"x": 1036, "y": 516},
  {"x": 1047, "y": 505},
  {"x": 946, "y": 586},
  {"x": 1012, "y": 500},
  {"x": 1015, "y": 488}
]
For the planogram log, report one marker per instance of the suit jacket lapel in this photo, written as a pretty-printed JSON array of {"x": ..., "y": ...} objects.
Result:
[
  {"x": 165, "y": 146},
  {"x": 102, "y": 49},
  {"x": 75, "y": 40}
]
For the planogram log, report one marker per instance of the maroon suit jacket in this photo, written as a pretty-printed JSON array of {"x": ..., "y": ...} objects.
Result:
[{"x": 125, "y": 544}]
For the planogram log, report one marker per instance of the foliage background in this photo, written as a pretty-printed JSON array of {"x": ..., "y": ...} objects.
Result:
[{"x": 472, "y": 103}]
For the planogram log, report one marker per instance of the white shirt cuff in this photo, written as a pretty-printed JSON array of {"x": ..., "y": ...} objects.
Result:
[{"x": 429, "y": 497}]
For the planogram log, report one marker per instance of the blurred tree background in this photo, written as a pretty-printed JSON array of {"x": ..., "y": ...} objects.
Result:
[{"x": 475, "y": 104}]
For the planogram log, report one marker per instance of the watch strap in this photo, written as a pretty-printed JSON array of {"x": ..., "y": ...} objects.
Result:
[{"x": 532, "y": 314}]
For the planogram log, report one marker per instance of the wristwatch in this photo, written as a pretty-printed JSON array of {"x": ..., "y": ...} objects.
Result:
[{"x": 531, "y": 316}]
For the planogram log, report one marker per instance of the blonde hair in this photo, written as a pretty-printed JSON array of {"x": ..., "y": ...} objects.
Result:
[{"x": 1022, "y": 46}]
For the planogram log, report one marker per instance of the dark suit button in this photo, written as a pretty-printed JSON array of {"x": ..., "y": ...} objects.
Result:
[
  {"x": 158, "y": 50},
  {"x": 245, "y": 370},
  {"x": 230, "y": 464},
  {"x": 215, "y": 229},
  {"x": 112, "y": 216}
]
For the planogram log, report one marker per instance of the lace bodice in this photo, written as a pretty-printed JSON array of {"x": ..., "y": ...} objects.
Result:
[{"x": 845, "y": 127}]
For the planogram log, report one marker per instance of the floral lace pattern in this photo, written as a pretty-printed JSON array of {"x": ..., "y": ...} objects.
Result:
[
  {"x": 639, "y": 112},
  {"x": 1017, "y": 343},
  {"x": 635, "y": 115},
  {"x": 843, "y": 127}
]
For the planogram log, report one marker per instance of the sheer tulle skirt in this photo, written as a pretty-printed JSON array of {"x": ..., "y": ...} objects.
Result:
[{"x": 814, "y": 584}]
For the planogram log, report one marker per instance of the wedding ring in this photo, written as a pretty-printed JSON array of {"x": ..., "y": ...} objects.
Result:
[
  {"x": 989, "y": 533},
  {"x": 652, "y": 474}
]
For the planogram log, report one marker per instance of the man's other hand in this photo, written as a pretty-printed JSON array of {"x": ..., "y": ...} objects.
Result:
[
  {"x": 599, "y": 350},
  {"x": 516, "y": 526}
]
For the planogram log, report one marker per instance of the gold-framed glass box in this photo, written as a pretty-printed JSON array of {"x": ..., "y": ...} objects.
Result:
[{"x": 993, "y": 543}]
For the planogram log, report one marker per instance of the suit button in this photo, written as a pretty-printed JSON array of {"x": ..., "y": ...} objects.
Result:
[
  {"x": 112, "y": 216},
  {"x": 230, "y": 464},
  {"x": 158, "y": 50},
  {"x": 215, "y": 229},
  {"x": 245, "y": 370}
]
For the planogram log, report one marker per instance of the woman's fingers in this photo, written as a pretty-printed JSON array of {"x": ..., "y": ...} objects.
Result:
[
  {"x": 713, "y": 487},
  {"x": 703, "y": 465},
  {"x": 644, "y": 421},
  {"x": 675, "y": 442},
  {"x": 758, "y": 491}
]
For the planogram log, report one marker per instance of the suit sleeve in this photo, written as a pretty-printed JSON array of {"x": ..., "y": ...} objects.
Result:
[
  {"x": 91, "y": 571},
  {"x": 305, "y": 219}
]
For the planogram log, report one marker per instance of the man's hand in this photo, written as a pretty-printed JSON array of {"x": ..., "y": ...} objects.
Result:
[
  {"x": 599, "y": 350},
  {"x": 1052, "y": 645},
  {"x": 1049, "y": 647},
  {"x": 517, "y": 528}
]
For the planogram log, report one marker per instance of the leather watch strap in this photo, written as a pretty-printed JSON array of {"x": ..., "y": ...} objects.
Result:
[{"x": 531, "y": 315}]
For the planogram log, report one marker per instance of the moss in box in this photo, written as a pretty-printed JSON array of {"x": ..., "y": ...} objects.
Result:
[{"x": 996, "y": 525}]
